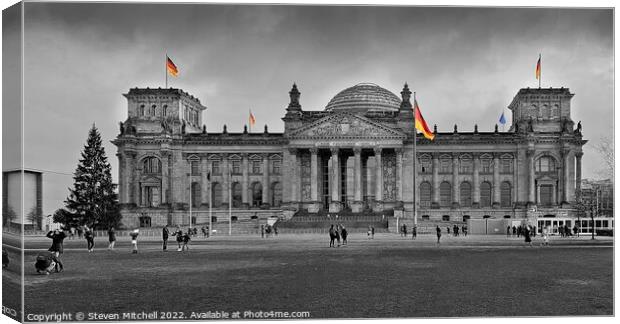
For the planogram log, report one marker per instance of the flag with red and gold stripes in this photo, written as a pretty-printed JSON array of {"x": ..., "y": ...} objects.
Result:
[
  {"x": 538, "y": 68},
  {"x": 252, "y": 119},
  {"x": 171, "y": 67},
  {"x": 420, "y": 123}
]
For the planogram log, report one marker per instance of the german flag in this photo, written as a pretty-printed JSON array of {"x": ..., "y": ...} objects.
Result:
[
  {"x": 538, "y": 68},
  {"x": 420, "y": 123},
  {"x": 171, "y": 67},
  {"x": 252, "y": 119}
]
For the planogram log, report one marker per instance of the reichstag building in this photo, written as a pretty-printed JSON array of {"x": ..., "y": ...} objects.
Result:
[{"x": 354, "y": 157}]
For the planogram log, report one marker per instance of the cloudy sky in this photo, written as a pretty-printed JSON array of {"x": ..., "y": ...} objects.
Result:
[{"x": 466, "y": 64}]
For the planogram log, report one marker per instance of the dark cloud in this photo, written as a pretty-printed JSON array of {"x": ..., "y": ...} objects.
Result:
[{"x": 465, "y": 64}]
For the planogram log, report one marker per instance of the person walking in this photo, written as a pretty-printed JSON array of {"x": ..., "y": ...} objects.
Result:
[
  {"x": 405, "y": 230},
  {"x": 134, "y": 240},
  {"x": 165, "y": 233},
  {"x": 262, "y": 231},
  {"x": 438, "y": 230},
  {"x": 332, "y": 236},
  {"x": 508, "y": 231},
  {"x": 514, "y": 230},
  {"x": 344, "y": 234},
  {"x": 545, "y": 235},
  {"x": 526, "y": 235},
  {"x": 186, "y": 239},
  {"x": 464, "y": 229},
  {"x": 204, "y": 232},
  {"x": 179, "y": 234},
  {"x": 111, "y": 238},
  {"x": 57, "y": 236},
  {"x": 90, "y": 238},
  {"x": 414, "y": 232},
  {"x": 372, "y": 232},
  {"x": 338, "y": 234},
  {"x": 368, "y": 233}
]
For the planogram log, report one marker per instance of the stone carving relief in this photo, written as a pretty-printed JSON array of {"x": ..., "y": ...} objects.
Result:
[
  {"x": 305, "y": 177},
  {"x": 389, "y": 176},
  {"x": 343, "y": 125}
]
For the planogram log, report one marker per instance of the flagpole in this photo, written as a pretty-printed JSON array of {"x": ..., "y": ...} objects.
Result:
[
  {"x": 190, "y": 201},
  {"x": 166, "y": 69},
  {"x": 415, "y": 135},
  {"x": 250, "y": 120},
  {"x": 229, "y": 203},
  {"x": 210, "y": 203}
]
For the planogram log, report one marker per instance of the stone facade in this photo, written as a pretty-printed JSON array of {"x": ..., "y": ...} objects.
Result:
[{"x": 354, "y": 156}]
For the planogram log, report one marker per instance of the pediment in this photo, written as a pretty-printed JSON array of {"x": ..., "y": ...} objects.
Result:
[{"x": 346, "y": 125}]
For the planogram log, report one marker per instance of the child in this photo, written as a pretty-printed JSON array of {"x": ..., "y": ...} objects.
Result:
[
  {"x": 134, "y": 240},
  {"x": 186, "y": 239},
  {"x": 45, "y": 263},
  {"x": 111, "y": 238}
]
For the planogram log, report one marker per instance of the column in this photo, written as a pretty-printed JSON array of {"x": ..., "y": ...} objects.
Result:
[
  {"x": 225, "y": 178},
  {"x": 435, "y": 200},
  {"x": 378, "y": 180},
  {"x": 294, "y": 181},
  {"x": 136, "y": 180},
  {"x": 399, "y": 174},
  {"x": 357, "y": 205},
  {"x": 314, "y": 180},
  {"x": 265, "y": 179},
  {"x": 335, "y": 184},
  {"x": 455, "y": 181},
  {"x": 566, "y": 175},
  {"x": 578, "y": 156},
  {"x": 122, "y": 182},
  {"x": 496, "y": 184},
  {"x": 515, "y": 179},
  {"x": 244, "y": 182},
  {"x": 531, "y": 179},
  {"x": 476, "y": 181},
  {"x": 165, "y": 178}
]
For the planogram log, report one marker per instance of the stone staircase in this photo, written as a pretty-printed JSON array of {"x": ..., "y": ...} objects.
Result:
[{"x": 303, "y": 222}]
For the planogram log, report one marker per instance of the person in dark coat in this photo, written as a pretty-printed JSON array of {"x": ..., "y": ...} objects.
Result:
[
  {"x": 372, "y": 232},
  {"x": 47, "y": 263},
  {"x": 204, "y": 231},
  {"x": 111, "y": 238},
  {"x": 344, "y": 234},
  {"x": 90, "y": 238},
  {"x": 179, "y": 234},
  {"x": 514, "y": 230},
  {"x": 262, "y": 231},
  {"x": 332, "y": 236},
  {"x": 165, "y": 232},
  {"x": 526, "y": 234},
  {"x": 508, "y": 231},
  {"x": 438, "y": 230},
  {"x": 186, "y": 239},
  {"x": 405, "y": 230},
  {"x": 338, "y": 235},
  {"x": 414, "y": 232},
  {"x": 5, "y": 258},
  {"x": 57, "y": 236}
]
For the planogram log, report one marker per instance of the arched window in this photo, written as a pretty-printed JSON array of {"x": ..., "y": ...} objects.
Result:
[
  {"x": 445, "y": 218},
  {"x": 153, "y": 109},
  {"x": 216, "y": 194},
  {"x": 141, "y": 110},
  {"x": 276, "y": 194},
  {"x": 445, "y": 194},
  {"x": 196, "y": 194},
  {"x": 151, "y": 165},
  {"x": 425, "y": 194},
  {"x": 426, "y": 217},
  {"x": 164, "y": 111},
  {"x": 465, "y": 194},
  {"x": 485, "y": 194},
  {"x": 555, "y": 112},
  {"x": 237, "y": 195},
  {"x": 466, "y": 218},
  {"x": 545, "y": 164},
  {"x": 257, "y": 194},
  {"x": 505, "y": 194},
  {"x": 544, "y": 112}
]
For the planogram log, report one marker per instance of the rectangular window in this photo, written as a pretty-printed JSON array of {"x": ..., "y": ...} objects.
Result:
[
  {"x": 256, "y": 166},
  {"x": 445, "y": 166},
  {"x": 506, "y": 166},
  {"x": 277, "y": 164},
  {"x": 486, "y": 166},
  {"x": 236, "y": 167},
  {"x": 195, "y": 166},
  {"x": 215, "y": 167},
  {"x": 466, "y": 166}
]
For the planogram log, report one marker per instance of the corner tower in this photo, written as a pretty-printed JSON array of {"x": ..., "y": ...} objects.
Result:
[{"x": 543, "y": 110}]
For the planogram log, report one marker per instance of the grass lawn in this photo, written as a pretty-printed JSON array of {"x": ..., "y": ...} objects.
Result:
[{"x": 385, "y": 277}]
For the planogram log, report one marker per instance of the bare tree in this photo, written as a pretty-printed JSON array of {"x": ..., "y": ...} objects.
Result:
[{"x": 606, "y": 151}]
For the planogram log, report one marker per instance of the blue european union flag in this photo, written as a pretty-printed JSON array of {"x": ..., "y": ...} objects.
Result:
[{"x": 502, "y": 119}]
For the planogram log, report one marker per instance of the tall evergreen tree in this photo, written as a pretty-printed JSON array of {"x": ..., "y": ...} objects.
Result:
[{"x": 93, "y": 201}]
